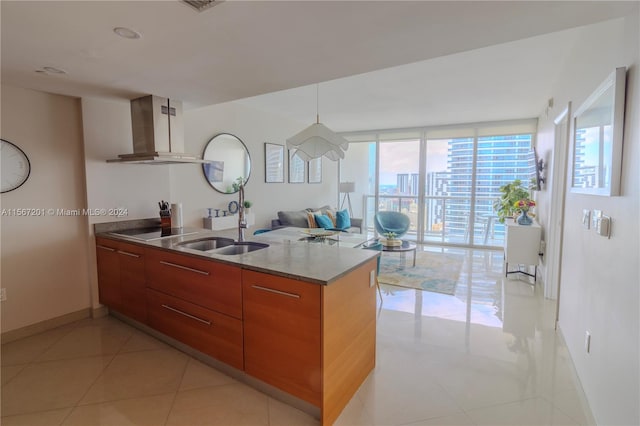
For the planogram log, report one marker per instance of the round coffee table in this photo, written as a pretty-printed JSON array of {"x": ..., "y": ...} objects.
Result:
[{"x": 402, "y": 249}]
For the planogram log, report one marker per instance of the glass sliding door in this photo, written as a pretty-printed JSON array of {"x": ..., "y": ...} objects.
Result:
[
  {"x": 445, "y": 179},
  {"x": 399, "y": 177},
  {"x": 448, "y": 185},
  {"x": 460, "y": 190}
]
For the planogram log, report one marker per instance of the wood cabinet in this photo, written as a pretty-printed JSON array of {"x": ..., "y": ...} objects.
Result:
[
  {"x": 108, "y": 272},
  {"x": 212, "y": 285},
  {"x": 132, "y": 281},
  {"x": 198, "y": 302},
  {"x": 121, "y": 279},
  {"x": 282, "y": 333},
  {"x": 316, "y": 342},
  {"x": 313, "y": 341},
  {"x": 210, "y": 332}
]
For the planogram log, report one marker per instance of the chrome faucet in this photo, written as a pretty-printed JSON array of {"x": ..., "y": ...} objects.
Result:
[{"x": 242, "y": 221}]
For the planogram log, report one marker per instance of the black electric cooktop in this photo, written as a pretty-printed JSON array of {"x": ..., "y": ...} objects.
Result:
[{"x": 154, "y": 233}]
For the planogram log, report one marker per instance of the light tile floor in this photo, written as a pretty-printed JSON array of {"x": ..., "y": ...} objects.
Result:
[{"x": 487, "y": 355}]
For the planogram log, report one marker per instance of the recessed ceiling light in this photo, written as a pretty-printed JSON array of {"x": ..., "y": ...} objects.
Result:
[
  {"x": 127, "y": 33},
  {"x": 53, "y": 70}
]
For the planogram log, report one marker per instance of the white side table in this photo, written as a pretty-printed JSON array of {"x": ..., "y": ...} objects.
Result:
[{"x": 521, "y": 246}]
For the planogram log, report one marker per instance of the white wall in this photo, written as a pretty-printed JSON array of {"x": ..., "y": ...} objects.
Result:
[
  {"x": 599, "y": 282},
  {"x": 134, "y": 187},
  {"x": 44, "y": 258},
  {"x": 254, "y": 128}
]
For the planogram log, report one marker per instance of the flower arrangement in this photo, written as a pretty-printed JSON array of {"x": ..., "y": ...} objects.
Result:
[
  {"x": 524, "y": 204},
  {"x": 510, "y": 194}
]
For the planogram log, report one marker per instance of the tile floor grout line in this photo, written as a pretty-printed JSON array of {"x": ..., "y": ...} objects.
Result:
[
  {"x": 175, "y": 394},
  {"x": 77, "y": 403},
  {"x": 550, "y": 401},
  {"x": 22, "y": 367},
  {"x": 63, "y": 335}
]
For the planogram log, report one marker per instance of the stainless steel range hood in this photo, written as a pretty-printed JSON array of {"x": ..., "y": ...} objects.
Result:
[{"x": 158, "y": 133}]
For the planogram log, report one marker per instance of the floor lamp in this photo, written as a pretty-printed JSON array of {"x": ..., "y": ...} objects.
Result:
[{"x": 346, "y": 188}]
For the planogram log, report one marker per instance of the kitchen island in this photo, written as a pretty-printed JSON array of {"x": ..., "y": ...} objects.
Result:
[{"x": 295, "y": 317}]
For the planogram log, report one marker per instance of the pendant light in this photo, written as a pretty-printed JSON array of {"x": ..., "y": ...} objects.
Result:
[{"x": 318, "y": 140}]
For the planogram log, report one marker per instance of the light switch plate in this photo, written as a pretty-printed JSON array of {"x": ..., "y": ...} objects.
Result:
[
  {"x": 597, "y": 214},
  {"x": 604, "y": 226},
  {"x": 586, "y": 218}
]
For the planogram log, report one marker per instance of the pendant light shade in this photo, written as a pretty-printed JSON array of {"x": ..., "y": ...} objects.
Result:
[{"x": 318, "y": 140}]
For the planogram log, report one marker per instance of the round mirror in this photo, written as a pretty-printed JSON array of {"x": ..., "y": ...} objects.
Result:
[{"x": 229, "y": 161}]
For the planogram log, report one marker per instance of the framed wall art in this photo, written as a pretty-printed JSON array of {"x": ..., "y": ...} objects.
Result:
[{"x": 273, "y": 163}]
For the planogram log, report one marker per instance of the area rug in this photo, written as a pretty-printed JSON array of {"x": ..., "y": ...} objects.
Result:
[{"x": 436, "y": 272}]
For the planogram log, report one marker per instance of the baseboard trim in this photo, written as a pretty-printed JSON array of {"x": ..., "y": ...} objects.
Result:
[
  {"x": 30, "y": 330},
  {"x": 100, "y": 312}
]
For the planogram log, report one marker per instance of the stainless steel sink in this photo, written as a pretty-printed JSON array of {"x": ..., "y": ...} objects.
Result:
[
  {"x": 207, "y": 244},
  {"x": 241, "y": 248}
]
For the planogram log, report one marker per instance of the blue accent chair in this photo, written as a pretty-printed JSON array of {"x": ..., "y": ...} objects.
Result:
[{"x": 396, "y": 222}]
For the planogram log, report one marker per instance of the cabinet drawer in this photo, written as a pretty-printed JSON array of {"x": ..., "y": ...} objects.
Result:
[
  {"x": 205, "y": 283},
  {"x": 282, "y": 333},
  {"x": 214, "y": 334}
]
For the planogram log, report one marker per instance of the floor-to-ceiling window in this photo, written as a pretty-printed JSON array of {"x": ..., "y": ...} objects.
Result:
[
  {"x": 444, "y": 178},
  {"x": 399, "y": 176}
]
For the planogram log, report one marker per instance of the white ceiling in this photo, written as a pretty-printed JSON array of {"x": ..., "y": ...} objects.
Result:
[{"x": 240, "y": 49}]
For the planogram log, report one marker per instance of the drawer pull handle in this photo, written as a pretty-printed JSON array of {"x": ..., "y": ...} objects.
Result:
[
  {"x": 105, "y": 248},
  {"x": 186, "y": 268},
  {"x": 271, "y": 290},
  {"x": 126, "y": 253},
  {"x": 178, "y": 311}
]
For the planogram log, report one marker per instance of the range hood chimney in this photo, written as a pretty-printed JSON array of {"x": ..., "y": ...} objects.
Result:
[{"x": 158, "y": 133}]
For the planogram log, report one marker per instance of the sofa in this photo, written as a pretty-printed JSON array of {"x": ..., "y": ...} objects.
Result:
[{"x": 300, "y": 219}]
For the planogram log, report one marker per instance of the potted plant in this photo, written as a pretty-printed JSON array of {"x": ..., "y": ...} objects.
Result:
[
  {"x": 513, "y": 192},
  {"x": 390, "y": 239},
  {"x": 247, "y": 206}
]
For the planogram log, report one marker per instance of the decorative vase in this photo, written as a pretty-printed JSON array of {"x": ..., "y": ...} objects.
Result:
[{"x": 523, "y": 219}]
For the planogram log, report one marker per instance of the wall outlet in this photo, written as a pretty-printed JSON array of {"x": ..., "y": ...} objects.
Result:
[
  {"x": 372, "y": 278},
  {"x": 587, "y": 341},
  {"x": 3, "y": 294}
]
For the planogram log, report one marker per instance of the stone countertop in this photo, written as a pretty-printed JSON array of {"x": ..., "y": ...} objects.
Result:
[{"x": 286, "y": 256}]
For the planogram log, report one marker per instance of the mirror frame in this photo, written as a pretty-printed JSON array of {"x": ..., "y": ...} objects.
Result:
[
  {"x": 609, "y": 170},
  {"x": 204, "y": 166}
]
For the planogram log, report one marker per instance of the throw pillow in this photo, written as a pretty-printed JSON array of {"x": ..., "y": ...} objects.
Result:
[
  {"x": 311, "y": 219},
  {"x": 332, "y": 216},
  {"x": 343, "y": 220},
  {"x": 323, "y": 221}
]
